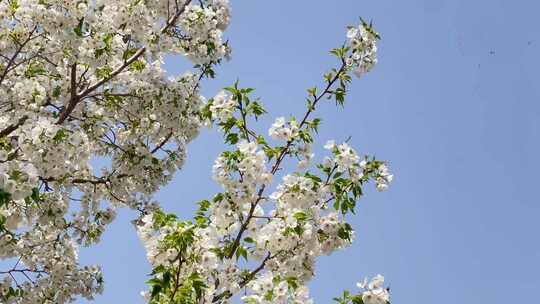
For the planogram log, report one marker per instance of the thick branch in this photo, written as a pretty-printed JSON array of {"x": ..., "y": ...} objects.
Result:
[
  {"x": 74, "y": 99},
  {"x": 96, "y": 181},
  {"x": 14, "y": 127}
]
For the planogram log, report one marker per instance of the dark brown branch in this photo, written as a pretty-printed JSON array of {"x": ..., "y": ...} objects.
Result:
[
  {"x": 248, "y": 277},
  {"x": 74, "y": 99},
  {"x": 253, "y": 273},
  {"x": 14, "y": 127},
  {"x": 177, "y": 282},
  {"x": 16, "y": 54},
  {"x": 22, "y": 271},
  {"x": 161, "y": 144},
  {"x": 96, "y": 181}
]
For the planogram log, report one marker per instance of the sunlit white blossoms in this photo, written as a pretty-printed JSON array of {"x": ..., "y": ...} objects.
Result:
[
  {"x": 280, "y": 130},
  {"x": 80, "y": 81},
  {"x": 205, "y": 25},
  {"x": 345, "y": 157},
  {"x": 255, "y": 239},
  {"x": 374, "y": 292},
  {"x": 223, "y": 106},
  {"x": 385, "y": 178},
  {"x": 305, "y": 156},
  {"x": 363, "y": 42}
]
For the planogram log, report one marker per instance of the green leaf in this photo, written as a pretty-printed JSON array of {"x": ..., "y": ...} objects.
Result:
[
  {"x": 154, "y": 282},
  {"x": 5, "y": 197},
  {"x": 137, "y": 65},
  {"x": 345, "y": 232},
  {"x": 156, "y": 290},
  {"x": 13, "y": 6},
  {"x": 339, "y": 94},
  {"x": 79, "y": 28},
  {"x": 99, "y": 52},
  {"x": 300, "y": 216},
  {"x": 357, "y": 300},
  {"x": 241, "y": 252},
  {"x": 292, "y": 282},
  {"x": 218, "y": 198},
  {"x": 232, "y": 138},
  {"x": 270, "y": 153},
  {"x": 104, "y": 72},
  {"x": 256, "y": 109},
  {"x": 56, "y": 91},
  {"x": 314, "y": 125},
  {"x": 128, "y": 53},
  {"x": 60, "y": 135}
]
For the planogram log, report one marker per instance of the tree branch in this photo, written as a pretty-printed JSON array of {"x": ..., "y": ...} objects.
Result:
[
  {"x": 161, "y": 144},
  {"x": 14, "y": 127},
  {"x": 16, "y": 54},
  {"x": 77, "y": 97},
  {"x": 280, "y": 158}
]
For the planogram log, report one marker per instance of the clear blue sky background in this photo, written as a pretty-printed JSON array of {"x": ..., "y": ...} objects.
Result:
[{"x": 453, "y": 106}]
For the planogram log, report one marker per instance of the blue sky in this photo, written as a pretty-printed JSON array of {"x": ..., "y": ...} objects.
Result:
[{"x": 453, "y": 105}]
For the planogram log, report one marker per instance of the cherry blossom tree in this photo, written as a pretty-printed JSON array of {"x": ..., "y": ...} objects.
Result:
[{"x": 81, "y": 80}]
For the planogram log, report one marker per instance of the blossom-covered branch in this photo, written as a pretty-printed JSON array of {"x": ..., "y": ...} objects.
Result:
[
  {"x": 266, "y": 243},
  {"x": 84, "y": 80}
]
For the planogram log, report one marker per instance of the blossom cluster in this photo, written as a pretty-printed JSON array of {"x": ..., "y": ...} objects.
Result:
[
  {"x": 363, "y": 42},
  {"x": 260, "y": 237},
  {"x": 372, "y": 292},
  {"x": 205, "y": 25},
  {"x": 223, "y": 106},
  {"x": 282, "y": 131},
  {"x": 346, "y": 160},
  {"x": 80, "y": 81}
]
